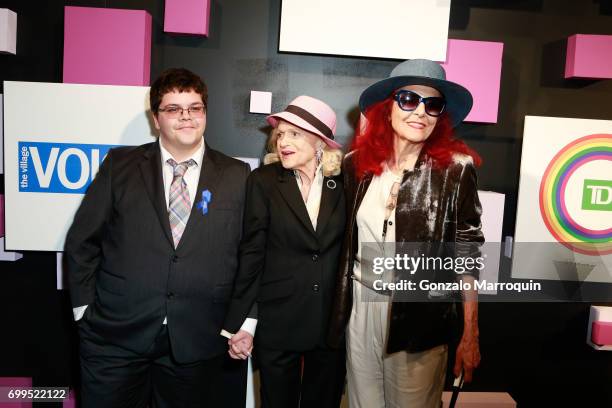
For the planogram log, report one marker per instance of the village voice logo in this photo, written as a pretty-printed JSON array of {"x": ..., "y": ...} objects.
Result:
[
  {"x": 58, "y": 167},
  {"x": 576, "y": 195}
]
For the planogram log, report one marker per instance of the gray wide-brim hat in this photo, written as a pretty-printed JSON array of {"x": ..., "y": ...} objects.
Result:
[{"x": 459, "y": 100}]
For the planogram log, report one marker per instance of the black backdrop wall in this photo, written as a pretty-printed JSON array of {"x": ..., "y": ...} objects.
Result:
[{"x": 537, "y": 352}]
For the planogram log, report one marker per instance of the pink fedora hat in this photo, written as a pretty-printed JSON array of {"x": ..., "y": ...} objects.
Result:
[{"x": 312, "y": 115}]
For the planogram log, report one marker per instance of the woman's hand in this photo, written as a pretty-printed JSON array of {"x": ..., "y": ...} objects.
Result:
[
  {"x": 240, "y": 345},
  {"x": 468, "y": 355}
]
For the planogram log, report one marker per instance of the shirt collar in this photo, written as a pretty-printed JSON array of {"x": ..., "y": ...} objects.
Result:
[
  {"x": 197, "y": 156},
  {"x": 318, "y": 174}
]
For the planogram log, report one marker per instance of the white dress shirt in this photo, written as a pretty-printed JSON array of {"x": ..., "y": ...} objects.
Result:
[
  {"x": 313, "y": 201},
  {"x": 191, "y": 176}
]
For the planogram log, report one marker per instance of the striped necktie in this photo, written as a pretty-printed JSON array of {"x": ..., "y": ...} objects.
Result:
[{"x": 178, "y": 202}]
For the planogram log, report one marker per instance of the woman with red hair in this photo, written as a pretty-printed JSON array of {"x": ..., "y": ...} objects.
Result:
[{"x": 407, "y": 180}]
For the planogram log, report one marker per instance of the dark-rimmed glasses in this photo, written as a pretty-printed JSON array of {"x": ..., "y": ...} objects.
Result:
[
  {"x": 175, "y": 111},
  {"x": 409, "y": 101}
]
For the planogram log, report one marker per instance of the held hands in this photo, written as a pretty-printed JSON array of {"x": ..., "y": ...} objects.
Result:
[
  {"x": 240, "y": 345},
  {"x": 468, "y": 355}
]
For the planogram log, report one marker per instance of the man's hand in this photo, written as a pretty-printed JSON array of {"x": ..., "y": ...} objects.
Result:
[
  {"x": 468, "y": 355},
  {"x": 240, "y": 345}
]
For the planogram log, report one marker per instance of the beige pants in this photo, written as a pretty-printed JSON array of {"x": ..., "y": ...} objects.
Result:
[{"x": 380, "y": 380}]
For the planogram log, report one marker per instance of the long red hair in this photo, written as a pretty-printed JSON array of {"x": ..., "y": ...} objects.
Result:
[{"x": 373, "y": 141}]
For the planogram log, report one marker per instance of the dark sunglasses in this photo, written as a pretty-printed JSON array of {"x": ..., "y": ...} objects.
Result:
[{"x": 409, "y": 101}]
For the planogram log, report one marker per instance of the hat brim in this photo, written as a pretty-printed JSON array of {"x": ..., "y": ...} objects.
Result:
[
  {"x": 302, "y": 124},
  {"x": 459, "y": 100}
]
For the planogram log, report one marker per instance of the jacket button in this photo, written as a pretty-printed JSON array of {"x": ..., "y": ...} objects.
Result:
[
  {"x": 315, "y": 287},
  {"x": 170, "y": 295},
  {"x": 315, "y": 258},
  {"x": 175, "y": 258}
]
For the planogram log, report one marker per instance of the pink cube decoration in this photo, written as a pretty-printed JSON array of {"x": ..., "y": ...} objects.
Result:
[
  {"x": 477, "y": 66},
  {"x": 16, "y": 382},
  {"x": 1, "y": 215},
  {"x": 480, "y": 400},
  {"x": 69, "y": 402},
  {"x": 1, "y": 135},
  {"x": 187, "y": 17},
  {"x": 601, "y": 333},
  {"x": 107, "y": 46},
  {"x": 589, "y": 56}
]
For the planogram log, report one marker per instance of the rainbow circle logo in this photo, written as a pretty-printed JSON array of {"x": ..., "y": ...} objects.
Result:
[{"x": 560, "y": 221}]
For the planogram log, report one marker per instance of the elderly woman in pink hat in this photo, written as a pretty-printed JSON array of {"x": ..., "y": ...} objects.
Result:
[{"x": 293, "y": 226}]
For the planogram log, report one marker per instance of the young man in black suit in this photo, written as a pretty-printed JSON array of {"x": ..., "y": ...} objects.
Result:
[{"x": 151, "y": 259}]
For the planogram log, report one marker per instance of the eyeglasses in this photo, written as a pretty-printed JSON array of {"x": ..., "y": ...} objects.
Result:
[
  {"x": 409, "y": 101},
  {"x": 175, "y": 111}
]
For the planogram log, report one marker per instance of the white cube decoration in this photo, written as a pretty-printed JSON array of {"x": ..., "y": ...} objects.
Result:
[
  {"x": 492, "y": 222},
  {"x": 261, "y": 102},
  {"x": 253, "y": 162},
  {"x": 8, "y": 31},
  {"x": 7, "y": 255},
  {"x": 59, "y": 268}
]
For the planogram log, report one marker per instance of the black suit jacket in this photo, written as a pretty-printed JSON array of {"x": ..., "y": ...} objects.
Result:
[
  {"x": 122, "y": 263},
  {"x": 286, "y": 266}
]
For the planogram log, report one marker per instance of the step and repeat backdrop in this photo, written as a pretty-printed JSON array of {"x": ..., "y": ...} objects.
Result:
[{"x": 56, "y": 135}]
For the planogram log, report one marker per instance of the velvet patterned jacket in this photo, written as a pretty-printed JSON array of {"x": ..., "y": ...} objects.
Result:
[{"x": 437, "y": 205}]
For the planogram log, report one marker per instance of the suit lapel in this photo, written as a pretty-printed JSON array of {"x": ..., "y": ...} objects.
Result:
[
  {"x": 291, "y": 193},
  {"x": 151, "y": 172},
  {"x": 330, "y": 194},
  {"x": 209, "y": 176}
]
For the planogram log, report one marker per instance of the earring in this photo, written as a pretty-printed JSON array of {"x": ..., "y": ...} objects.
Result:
[{"x": 319, "y": 154}]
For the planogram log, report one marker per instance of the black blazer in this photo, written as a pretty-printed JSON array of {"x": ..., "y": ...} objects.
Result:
[
  {"x": 286, "y": 266},
  {"x": 122, "y": 263}
]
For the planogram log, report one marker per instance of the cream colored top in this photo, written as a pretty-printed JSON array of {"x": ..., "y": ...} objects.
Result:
[{"x": 370, "y": 224}]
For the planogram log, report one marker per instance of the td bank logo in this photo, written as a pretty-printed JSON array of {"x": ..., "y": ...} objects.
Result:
[{"x": 597, "y": 195}]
